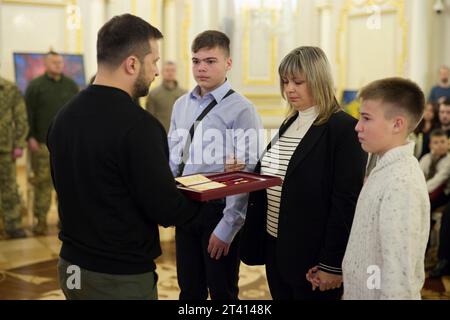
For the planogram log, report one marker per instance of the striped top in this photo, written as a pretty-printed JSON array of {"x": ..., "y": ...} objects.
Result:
[{"x": 276, "y": 160}]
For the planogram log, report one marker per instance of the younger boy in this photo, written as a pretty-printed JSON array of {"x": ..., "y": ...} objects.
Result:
[{"x": 385, "y": 254}]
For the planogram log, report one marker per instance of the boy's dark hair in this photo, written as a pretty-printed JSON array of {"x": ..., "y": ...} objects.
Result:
[
  {"x": 438, "y": 133},
  {"x": 404, "y": 94},
  {"x": 123, "y": 36},
  {"x": 210, "y": 39},
  {"x": 446, "y": 101}
]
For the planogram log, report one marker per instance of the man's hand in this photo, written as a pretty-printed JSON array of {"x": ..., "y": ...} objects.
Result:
[
  {"x": 217, "y": 247},
  {"x": 323, "y": 280},
  {"x": 17, "y": 153},
  {"x": 33, "y": 145}
]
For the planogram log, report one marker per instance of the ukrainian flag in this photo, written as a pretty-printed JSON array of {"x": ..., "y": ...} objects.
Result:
[{"x": 350, "y": 103}]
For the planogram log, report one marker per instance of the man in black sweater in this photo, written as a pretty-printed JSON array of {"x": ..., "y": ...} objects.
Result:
[{"x": 109, "y": 163}]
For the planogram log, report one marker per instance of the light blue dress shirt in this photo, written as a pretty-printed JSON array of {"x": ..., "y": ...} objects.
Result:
[{"x": 231, "y": 128}]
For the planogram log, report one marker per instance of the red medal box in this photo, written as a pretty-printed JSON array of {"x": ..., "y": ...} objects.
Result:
[{"x": 235, "y": 183}]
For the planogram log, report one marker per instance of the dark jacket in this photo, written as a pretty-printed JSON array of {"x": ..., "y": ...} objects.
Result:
[
  {"x": 318, "y": 201},
  {"x": 109, "y": 162},
  {"x": 44, "y": 97}
]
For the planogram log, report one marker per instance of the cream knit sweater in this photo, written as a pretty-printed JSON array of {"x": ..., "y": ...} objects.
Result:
[{"x": 385, "y": 254}]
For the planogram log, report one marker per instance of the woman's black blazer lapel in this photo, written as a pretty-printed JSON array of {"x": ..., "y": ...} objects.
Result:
[
  {"x": 304, "y": 147},
  {"x": 284, "y": 126},
  {"x": 310, "y": 139}
]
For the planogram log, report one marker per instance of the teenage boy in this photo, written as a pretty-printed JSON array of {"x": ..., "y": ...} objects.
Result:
[{"x": 207, "y": 249}]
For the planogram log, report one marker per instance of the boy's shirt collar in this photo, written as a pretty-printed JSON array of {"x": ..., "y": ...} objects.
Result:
[
  {"x": 395, "y": 154},
  {"x": 217, "y": 93},
  {"x": 437, "y": 157}
]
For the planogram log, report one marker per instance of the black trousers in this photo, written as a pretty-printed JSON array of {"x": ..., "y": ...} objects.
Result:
[
  {"x": 280, "y": 289},
  {"x": 197, "y": 272},
  {"x": 444, "y": 235},
  {"x": 439, "y": 201}
]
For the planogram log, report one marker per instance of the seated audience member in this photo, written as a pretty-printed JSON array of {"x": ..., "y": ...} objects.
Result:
[
  {"x": 441, "y": 90},
  {"x": 436, "y": 167},
  {"x": 421, "y": 135}
]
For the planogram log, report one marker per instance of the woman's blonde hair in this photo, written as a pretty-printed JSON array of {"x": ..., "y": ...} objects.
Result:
[{"x": 312, "y": 63}]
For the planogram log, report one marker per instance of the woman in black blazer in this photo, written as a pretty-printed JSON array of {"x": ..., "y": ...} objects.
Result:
[{"x": 301, "y": 228}]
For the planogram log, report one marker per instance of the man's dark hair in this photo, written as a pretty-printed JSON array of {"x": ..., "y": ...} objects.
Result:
[
  {"x": 52, "y": 53},
  {"x": 438, "y": 133},
  {"x": 210, "y": 39},
  {"x": 123, "y": 36},
  {"x": 446, "y": 101},
  {"x": 403, "y": 94}
]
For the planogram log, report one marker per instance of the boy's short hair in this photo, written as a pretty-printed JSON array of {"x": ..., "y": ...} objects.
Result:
[
  {"x": 404, "y": 94},
  {"x": 210, "y": 39},
  {"x": 438, "y": 133}
]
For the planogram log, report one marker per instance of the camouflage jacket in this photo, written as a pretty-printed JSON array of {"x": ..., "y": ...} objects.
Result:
[{"x": 13, "y": 117}]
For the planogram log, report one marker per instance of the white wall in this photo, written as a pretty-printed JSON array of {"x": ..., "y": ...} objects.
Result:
[
  {"x": 367, "y": 59},
  {"x": 29, "y": 29},
  {"x": 366, "y": 54}
]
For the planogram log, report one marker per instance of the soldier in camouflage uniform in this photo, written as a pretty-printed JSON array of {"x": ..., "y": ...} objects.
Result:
[
  {"x": 13, "y": 132},
  {"x": 44, "y": 96}
]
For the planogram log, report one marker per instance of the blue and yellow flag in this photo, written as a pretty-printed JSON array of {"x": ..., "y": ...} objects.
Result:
[{"x": 350, "y": 103}]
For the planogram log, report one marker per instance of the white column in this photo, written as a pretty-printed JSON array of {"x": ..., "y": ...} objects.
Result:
[
  {"x": 226, "y": 15},
  {"x": 200, "y": 16},
  {"x": 420, "y": 43},
  {"x": 446, "y": 35},
  {"x": 117, "y": 7},
  {"x": 325, "y": 28},
  {"x": 93, "y": 16},
  {"x": 170, "y": 31}
]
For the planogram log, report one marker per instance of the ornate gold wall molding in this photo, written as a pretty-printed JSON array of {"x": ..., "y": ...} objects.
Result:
[
  {"x": 246, "y": 77},
  {"x": 79, "y": 29},
  {"x": 325, "y": 5},
  {"x": 58, "y": 3},
  {"x": 262, "y": 96},
  {"x": 267, "y": 104},
  {"x": 356, "y": 9}
]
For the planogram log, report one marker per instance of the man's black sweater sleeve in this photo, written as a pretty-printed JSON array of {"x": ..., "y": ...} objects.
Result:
[{"x": 149, "y": 177}]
